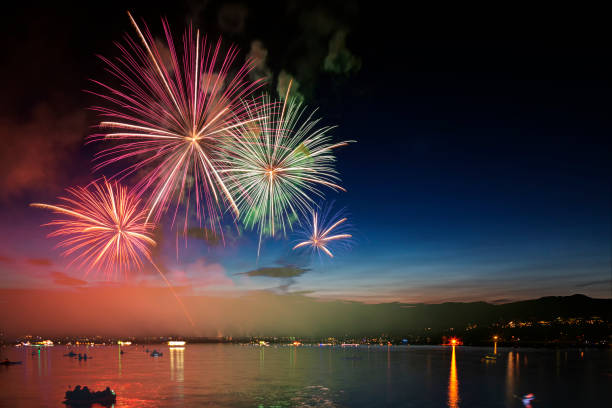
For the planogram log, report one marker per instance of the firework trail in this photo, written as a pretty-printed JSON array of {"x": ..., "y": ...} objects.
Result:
[
  {"x": 105, "y": 229},
  {"x": 323, "y": 231},
  {"x": 170, "y": 113},
  {"x": 277, "y": 163}
]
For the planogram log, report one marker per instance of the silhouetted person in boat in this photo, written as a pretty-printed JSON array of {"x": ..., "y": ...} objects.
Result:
[{"x": 85, "y": 396}]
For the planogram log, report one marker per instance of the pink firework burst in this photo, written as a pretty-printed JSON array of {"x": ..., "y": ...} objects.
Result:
[
  {"x": 103, "y": 227},
  {"x": 169, "y": 115}
]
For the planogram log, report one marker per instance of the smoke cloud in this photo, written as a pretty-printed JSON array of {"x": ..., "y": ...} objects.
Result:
[{"x": 34, "y": 152}]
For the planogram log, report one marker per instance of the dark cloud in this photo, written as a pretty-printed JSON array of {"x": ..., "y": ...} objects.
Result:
[
  {"x": 285, "y": 286},
  {"x": 282, "y": 85},
  {"x": 258, "y": 55},
  {"x": 289, "y": 267},
  {"x": 60, "y": 278},
  {"x": 229, "y": 235},
  {"x": 285, "y": 271},
  {"x": 500, "y": 301},
  {"x": 594, "y": 283},
  {"x": 319, "y": 46},
  {"x": 232, "y": 17},
  {"x": 39, "y": 261},
  {"x": 209, "y": 236},
  {"x": 35, "y": 151},
  {"x": 339, "y": 59}
]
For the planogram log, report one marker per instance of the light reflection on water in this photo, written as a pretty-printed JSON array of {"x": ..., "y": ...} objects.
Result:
[
  {"x": 510, "y": 377},
  {"x": 177, "y": 364},
  {"x": 284, "y": 376},
  {"x": 453, "y": 383}
]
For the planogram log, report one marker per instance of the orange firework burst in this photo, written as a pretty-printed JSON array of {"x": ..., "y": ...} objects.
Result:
[{"x": 104, "y": 228}]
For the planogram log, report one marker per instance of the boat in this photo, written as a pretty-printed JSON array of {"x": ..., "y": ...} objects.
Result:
[
  {"x": 156, "y": 353},
  {"x": 489, "y": 357},
  {"x": 84, "y": 397},
  {"x": 71, "y": 354},
  {"x": 9, "y": 363}
]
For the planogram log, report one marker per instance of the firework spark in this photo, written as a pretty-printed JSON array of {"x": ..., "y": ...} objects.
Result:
[
  {"x": 170, "y": 114},
  {"x": 277, "y": 164},
  {"x": 105, "y": 229},
  {"x": 322, "y": 232}
]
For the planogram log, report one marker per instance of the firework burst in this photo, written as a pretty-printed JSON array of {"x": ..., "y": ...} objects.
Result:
[
  {"x": 104, "y": 228},
  {"x": 324, "y": 231},
  {"x": 170, "y": 114},
  {"x": 277, "y": 164}
]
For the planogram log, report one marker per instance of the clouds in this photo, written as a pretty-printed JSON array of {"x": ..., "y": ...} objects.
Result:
[
  {"x": 258, "y": 55},
  {"x": 282, "y": 85},
  {"x": 339, "y": 59},
  {"x": 286, "y": 271},
  {"x": 35, "y": 151},
  {"x": 599, "y": 282},
  {"x": 6, "y": 259},
  {"x": 232, "y": 17},
  {"x": 60, "y": 278},
  {"x": 200, "y": 275},
  {"x": 39, "y": 262},
  {"x": 211, "y": 237}
]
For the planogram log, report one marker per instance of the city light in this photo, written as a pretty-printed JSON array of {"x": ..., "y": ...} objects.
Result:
[{"x": 453, "y": 341}]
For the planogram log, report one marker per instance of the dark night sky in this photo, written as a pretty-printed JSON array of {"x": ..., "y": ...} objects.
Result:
[{"x": 482, "y": 168}]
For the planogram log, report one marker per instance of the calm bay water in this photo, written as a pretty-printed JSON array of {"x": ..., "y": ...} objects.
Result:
[{"x": 250, "y": 376}]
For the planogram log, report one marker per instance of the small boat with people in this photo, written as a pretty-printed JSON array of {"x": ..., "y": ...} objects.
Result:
[
  {"x": 84, "y": 397},
  {"x": 156, "y": 353},
  {"x": 71, "y": 354},
  {"x": 7, "y": 362}
]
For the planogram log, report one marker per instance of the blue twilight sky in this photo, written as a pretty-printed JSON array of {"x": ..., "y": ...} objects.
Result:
[{"x": 482, "y": 167}]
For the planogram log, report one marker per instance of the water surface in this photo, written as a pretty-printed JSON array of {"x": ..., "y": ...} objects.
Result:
[{"x": 223, "y": 375}]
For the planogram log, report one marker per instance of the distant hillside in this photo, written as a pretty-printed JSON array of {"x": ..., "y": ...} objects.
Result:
[{"x": 444, "y": 315}]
